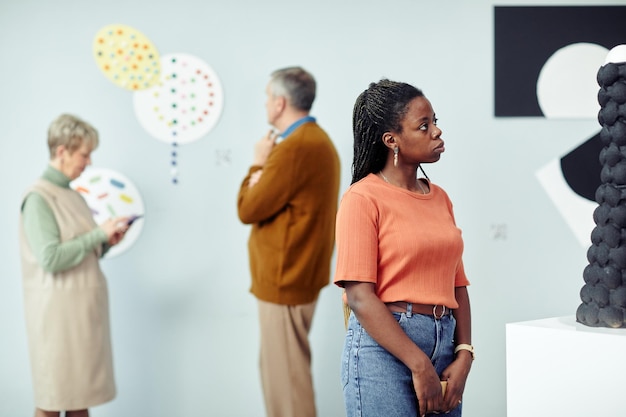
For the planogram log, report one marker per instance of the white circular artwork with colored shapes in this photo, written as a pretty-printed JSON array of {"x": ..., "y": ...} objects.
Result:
[
  {"x": 127, "y": 57},
  {"x": 185, "y": 105},
  {"x": 110, "y": 194}
]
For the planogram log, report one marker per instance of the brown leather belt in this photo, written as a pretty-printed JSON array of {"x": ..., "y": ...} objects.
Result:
[{"x": 437, "y": 311}]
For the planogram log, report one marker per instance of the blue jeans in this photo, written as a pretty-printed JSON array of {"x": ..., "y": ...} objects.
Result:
[{"x": 375, "y": 383}]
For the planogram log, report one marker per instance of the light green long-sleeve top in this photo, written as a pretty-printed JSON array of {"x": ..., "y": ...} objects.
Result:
[{"x": 42, "y": 231}]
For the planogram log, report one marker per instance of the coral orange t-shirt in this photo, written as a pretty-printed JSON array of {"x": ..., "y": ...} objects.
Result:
[{"x": 407, "y": 244}]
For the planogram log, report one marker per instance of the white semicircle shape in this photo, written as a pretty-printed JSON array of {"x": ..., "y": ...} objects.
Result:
[{"x": 567, "y": 85}]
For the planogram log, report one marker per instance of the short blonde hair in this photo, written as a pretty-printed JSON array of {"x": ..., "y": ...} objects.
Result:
[{"x": 71, "y": 132}]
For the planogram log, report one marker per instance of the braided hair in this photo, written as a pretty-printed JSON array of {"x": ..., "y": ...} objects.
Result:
[{"x": 379, "y": 109}]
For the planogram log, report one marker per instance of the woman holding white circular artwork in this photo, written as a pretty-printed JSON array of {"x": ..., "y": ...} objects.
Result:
[{"x": 65, "y": 292}]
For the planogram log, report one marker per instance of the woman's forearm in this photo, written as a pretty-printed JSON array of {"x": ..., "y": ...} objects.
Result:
[{"x": 44, "y": 238}]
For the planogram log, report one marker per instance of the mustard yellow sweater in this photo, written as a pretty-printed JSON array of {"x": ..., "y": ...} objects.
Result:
[{"x": 292, "y": 211}]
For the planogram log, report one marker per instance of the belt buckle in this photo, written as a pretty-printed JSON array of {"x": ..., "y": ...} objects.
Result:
[{"x": 443, "y": 312}]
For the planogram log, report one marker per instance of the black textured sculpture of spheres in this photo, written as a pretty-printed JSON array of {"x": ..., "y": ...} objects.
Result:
[{"x": 603, "y": 295}]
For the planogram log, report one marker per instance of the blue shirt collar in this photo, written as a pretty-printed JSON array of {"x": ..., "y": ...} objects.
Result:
[{"x": 295, "y": 125}]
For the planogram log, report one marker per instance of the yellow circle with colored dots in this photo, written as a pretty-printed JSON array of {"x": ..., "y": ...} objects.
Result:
[{"x": 127, "y": 57}]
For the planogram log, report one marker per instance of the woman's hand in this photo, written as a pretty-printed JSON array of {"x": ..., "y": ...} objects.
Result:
[
  {"x": 383, "y": 327},
  {"x": 456, "y": 375},
  {"x": 428, "y": 390},
  {"x": 115, "y": 229}
]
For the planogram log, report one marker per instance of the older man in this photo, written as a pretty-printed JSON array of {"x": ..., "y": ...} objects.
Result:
[{"x": 290, "y": 198}]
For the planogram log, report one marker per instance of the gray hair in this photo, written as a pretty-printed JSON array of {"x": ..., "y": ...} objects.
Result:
[
  {"x": 70, "y": 131},
  {"x": 296, "y": 85}
]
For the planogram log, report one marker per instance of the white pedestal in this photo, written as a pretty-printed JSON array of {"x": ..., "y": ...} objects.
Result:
[{"x": 559, "y": 368}]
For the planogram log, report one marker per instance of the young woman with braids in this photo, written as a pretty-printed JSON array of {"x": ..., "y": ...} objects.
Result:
[{"x": 399, "y": 259}]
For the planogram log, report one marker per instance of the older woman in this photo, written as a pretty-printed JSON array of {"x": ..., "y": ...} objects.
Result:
[
  {"x": 399, "y": 259},
  {"x": 65, "y": 292}
]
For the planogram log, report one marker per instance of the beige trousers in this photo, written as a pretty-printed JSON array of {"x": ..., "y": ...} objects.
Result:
[{"x": 285, "y": 359}]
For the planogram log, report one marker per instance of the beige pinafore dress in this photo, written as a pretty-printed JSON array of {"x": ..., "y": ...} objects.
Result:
[{"x": 67, "y": 315}]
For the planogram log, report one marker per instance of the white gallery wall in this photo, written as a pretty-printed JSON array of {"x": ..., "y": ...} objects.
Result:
[{"x": 184, "y": 325}]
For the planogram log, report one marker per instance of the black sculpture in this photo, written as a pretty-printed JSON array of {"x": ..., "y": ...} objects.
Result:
[{"x": 604, "y": 293}]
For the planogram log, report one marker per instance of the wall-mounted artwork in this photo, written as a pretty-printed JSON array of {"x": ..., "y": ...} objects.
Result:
[
  {"x": 186, "y": 103},
  {"x": 183, "y": 106},
  {"x": 546, "y": 63},
  {"x": 126, "y": 57},
  {"x": 533, "y": 40},
  {"x": 177, "y": 97}
]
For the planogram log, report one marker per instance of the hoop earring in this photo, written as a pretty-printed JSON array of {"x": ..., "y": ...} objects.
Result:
[{"x": 395, "y": 156}]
